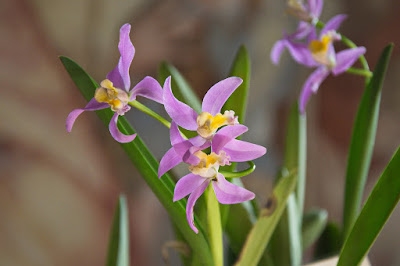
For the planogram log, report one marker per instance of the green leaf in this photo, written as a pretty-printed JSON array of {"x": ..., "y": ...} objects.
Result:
[
  {"x": 314, "y": 223},
  {"x": 286, "y": 241},
  {"x": 118, "y": 247},
  {"x": 362, "y": 142},
  {"x": 179, "y": 86},
  {"x": 261, "y": 233},
  {"x": 147, "y": 165},
  {"x": 380, "y": 204}
]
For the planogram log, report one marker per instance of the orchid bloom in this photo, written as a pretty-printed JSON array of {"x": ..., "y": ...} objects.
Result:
[
  {"x": 326, "y": 60},
  {"x": 308, "y": 14},
  {"x": 204, "y": 168},
  {"x": 115, "y": 90},
  {"x": 210, "y": 119}
]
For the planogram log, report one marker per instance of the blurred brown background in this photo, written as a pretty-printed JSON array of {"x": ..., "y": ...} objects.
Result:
[{"x": 58, "y": 190}]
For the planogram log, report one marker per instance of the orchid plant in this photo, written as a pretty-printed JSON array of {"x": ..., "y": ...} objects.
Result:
[{"x": 214, "y": 148}]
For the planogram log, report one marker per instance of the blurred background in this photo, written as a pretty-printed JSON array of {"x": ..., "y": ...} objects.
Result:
[{"x": 58, "y": 190}]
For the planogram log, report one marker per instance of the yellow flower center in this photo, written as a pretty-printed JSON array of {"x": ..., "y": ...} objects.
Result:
[
  {"x": 208, "y": 124},
  {"x": 116, "y": 98},
  {"x": 209, "y": 164},
  {"x": 319, "y": 50}
]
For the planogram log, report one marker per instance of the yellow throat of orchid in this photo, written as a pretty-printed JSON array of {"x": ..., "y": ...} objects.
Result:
[
  {"x": 208, "y": 124},
  {"x": 319, "y": 50},
  {"x": 115, "y": 97},
  {"x": 209, "y": 164}
]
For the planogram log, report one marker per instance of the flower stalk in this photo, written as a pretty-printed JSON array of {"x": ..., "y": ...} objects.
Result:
[
  {"x": 150, "y": 112},
  {"x": 214, "y": 227}
]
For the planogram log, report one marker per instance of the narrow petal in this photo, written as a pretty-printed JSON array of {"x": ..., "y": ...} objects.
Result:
[
  {"x": 228, "y": 193},
  {"x": 333, "y": 24},
  {"x": 311, "y": 86},
  {"x": 187, "y": 185},
  {"x": 191, "y": 201},
  {"x": 217, "y": 95},
  {"x": 181, "y": 113},
  {"x": 301, "y": 54},
  {"x": 302, "y": 31},
  {"x": 116, "y": 134},
  {"x": 243, "y": 151},
  {"x": 226, "y": 134},
  {"x": 346, "y": 58},
  {"x": 148, "y": 88},
  {"x": 168, "y": 161},
  {"x": 119, "y": 76},
  {"x": 183, "y": 148},
  {"x": 200, "y": 142},
  {"x": 91, "y": 106},
  {"x": 315, "y": 7},
  {"x": 277, "y": 50}
]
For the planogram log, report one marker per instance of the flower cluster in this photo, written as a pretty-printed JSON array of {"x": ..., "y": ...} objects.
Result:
[
  {"x": 312, "y": 50},
  {"x": 215, "y": 129}
]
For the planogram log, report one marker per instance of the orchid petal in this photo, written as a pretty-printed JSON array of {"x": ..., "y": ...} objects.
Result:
[
  {"x": 192, "y": 200},
  {"x": 303, "y": 29},
  {"x": 148, "y": 88},
  {"x": 92, "y": 105},
  {"x": 181, "y": 113},
  {"x": 333, "y": 24},
  {"x": 219, "y": 93},
  {"x": 119, "y": 76},
  {"x": 184, "y": 148},
  {"x": 228, "y": 193},
  {"x": 168, "y": 161},
  {"x": 200, "y": 142},
  {"x": 315, "y": 7},
  {"x": 116, "y": 134},
  {"x": 311, "y": 86},
  {"x": 346, "y": 58},
  {"x": 277, "y": 50},
  {"x": 226, "y": 134},
  {"x": 187, "y": 185},
  {"x": 242, "y": 151},
  {"x": 301, "y": 54}
]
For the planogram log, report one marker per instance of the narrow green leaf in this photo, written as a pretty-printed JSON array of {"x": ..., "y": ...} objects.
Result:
[
  {"x": 286, "y": 241},
  {"x": 179, "y": 85},
  {"x": 118, "y": 247},
  {"x": 362, "y": 142},
  {"x": 261, "y": 233},
  {"x": 380, "y": 204},
  {"x": 314, "y": 223},
  {"x": 147, "y": 165}
]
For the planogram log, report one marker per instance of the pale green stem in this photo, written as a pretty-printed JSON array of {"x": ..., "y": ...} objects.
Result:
[
  {"x": 240, "y": 173},
  {"x": 150, "y": 112},
  {"x": 214, "y": 226},
  {"x": 360, "y": 72}
]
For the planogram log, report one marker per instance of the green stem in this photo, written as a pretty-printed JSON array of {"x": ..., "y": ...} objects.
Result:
[
  {"x": 240, "y": 173},
  {"x": 214, "y": 227},
  {"x": 361, "y": 72},
  {"x": 150, "y": 112}
]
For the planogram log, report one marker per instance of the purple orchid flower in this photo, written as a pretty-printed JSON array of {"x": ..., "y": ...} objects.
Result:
[
  {"x": 308, "y": 12},
  {"x": 326, "y": 60},
  {"x": 208, "y": 122},
  {"x": 115, "y": 90},
  {"x": 204, "y": 168}
]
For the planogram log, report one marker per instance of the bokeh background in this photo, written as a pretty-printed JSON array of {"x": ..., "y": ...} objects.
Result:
[{"x": 58, "y": 190}]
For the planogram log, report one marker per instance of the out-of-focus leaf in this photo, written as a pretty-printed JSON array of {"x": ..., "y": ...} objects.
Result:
[
  {"x": 261, "y": 232},
  {"x": 146, "y": 164},
  {"x": 380, "y": 204},
  {"x": 329, "y": 242},
  {"x": 362, "y": 142},
  {"x": 314, "y": 223},
  {"x": 118, "y": 246}
]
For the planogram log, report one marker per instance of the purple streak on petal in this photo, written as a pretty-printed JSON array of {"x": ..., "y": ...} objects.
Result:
[
  {"x": 277, "y": 50},
  {"x": 333, "y": 23},
  {"x": 242, "y": 151},
  {"x": 119, "y": 76},
  {"x": 315, "y": 7},
  {"x": 91, "y": 106},
  {"x": 228, "y": 193},
  {"x": 226, "y": 134},
  {"x": 184, "y": 148},
  {"x": 168, "y": 161},
  {"x": 301, "y": 54},
  {"x": 217, "y": 95},
  {"x": 346, "y": 58},
  {"x": 181, "y": 113},
  {"x": 311, "y": 86},
  {"x": 148, "y": 88},
  {"x": 187, "y": 185},
  {"x": 116, "y": 134},
  {"x": 191, "y": 201}
]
